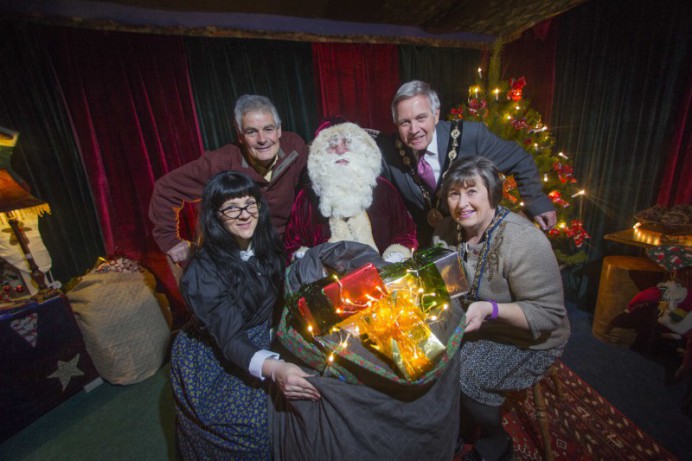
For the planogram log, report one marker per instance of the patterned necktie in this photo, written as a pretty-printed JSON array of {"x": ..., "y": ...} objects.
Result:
[{"x": 425, "y": 172}]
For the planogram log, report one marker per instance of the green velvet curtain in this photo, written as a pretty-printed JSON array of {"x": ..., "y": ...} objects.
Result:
[
  {"x": 46, "y": 155},
  {"x": 222, "y": 69},
  {"x": 450, "y": 71},
  {"x": 621, "y": 72}
]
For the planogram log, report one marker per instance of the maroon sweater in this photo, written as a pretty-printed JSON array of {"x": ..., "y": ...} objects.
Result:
[{"x": 186, "y": 184}]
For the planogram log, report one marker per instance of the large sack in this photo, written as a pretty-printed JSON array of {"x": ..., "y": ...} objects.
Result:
[{"x": 124, "y": 328}]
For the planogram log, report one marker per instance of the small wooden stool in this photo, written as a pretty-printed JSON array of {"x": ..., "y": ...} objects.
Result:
[
  {"x": 542, "y": 411},
  {"x": 622, "y": 277}
]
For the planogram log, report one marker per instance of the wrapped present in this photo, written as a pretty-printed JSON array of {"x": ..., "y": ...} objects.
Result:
[
  {"x": 355, "y": 291},
  {"x": 437, "y": 268},
  {"x": 396, "y": 325},
  {"x": 397, "y": 328},
  {"x": 323, "y": 304}
]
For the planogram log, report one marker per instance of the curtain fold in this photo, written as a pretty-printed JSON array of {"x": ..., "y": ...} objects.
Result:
[
  {"x": 676, "y": 186},
  {"x": 533, "y": 57},
  {"x": 223, "y": 69},
  {"x": 46, "y": 155},
  {"x": 357, "y": 81},
  {"x": 620, "y": 80}
]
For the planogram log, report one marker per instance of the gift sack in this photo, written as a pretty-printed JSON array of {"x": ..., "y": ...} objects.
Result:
[
  {"x": 342, "y": 353},
  {"x": 124, "y": 328}
]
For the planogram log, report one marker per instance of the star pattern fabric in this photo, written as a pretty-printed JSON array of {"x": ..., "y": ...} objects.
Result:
[{"x": 67, "y": 370}]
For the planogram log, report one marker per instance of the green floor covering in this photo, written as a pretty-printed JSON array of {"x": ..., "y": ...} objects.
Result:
[{"x": 98, "y": 426}]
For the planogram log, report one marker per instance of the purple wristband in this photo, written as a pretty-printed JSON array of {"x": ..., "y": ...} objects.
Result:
[{"x": 493, "y": 303}]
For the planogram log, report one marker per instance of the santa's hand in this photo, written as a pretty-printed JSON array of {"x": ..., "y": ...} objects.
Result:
[
  {"x": 299, "y": 253},
  {"x": 394, "y": 258}
]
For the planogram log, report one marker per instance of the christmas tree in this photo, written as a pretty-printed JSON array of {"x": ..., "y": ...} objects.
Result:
[{"x": 502, "y": 107}]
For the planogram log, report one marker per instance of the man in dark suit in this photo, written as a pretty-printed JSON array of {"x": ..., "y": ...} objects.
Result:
[{"x": 416, "y": 158}]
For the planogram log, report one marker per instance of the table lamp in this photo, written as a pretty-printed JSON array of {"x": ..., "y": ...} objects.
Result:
[{"x": 15, "y": 202}]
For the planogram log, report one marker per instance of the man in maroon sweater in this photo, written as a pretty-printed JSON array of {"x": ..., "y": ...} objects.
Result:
[{"x": 274, "y": 160}]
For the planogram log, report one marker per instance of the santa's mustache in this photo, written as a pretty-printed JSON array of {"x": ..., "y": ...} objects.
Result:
[
  {"x": 351, "y": 158},
  {"x": 348, "y": 157}
]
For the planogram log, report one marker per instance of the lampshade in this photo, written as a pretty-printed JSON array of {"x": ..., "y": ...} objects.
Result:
[
  {"x": 8, "y": 138},
  {"x": 14, "y": 197}
]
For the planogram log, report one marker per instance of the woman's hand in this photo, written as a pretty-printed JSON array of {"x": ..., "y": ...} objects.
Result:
[
  {"x": 291, "y": 380},
  {"x": 507, "y": 313},
  {"x": 476, "y": 314}
]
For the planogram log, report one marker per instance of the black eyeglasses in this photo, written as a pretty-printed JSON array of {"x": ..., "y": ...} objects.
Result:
[{"x": 234, "y": 212}]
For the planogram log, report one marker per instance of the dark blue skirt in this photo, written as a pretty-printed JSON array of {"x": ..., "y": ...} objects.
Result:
[{"x": 221, "y": 413}]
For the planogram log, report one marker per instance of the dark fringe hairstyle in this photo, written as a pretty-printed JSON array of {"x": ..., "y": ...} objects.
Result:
[{"x": 222, "y": 247}]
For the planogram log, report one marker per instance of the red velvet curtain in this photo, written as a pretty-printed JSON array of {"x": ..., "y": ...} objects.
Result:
[
  {"x": 357, "y": 81},
  {"x": 133, "y": 116},
  {"x": 129, "y": 99},
  {"x": 533, "y": 57},
  {"x": 676, "y": 186}
]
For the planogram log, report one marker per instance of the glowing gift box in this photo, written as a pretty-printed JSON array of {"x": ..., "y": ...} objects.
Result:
[
  {"x": 400, "y": 324},
  {"x": 397, "y": 328},
  {"x": 322, "y": 306},
  {"x": 435, "y": 270}
]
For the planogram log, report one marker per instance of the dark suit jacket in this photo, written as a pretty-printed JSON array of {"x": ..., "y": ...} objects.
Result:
[{"x": 476, "y": 139}]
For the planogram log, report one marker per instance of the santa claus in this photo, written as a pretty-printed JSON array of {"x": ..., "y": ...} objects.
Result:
[{"x": 348, "y": 200}]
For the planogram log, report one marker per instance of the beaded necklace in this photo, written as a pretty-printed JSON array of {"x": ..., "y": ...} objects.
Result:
[
  {"x": 500, "y": 214},
  {"x": 434, "y": 215}
]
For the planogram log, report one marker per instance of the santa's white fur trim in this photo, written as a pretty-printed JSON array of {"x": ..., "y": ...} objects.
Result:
[
  {"x": 355, "y": 229},
  {"x": 299, "y": 251},
  {"x": 397, "y": 248}
]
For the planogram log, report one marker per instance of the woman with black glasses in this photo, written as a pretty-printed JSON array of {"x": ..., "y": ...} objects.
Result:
[{"x": 220, "y": 359}]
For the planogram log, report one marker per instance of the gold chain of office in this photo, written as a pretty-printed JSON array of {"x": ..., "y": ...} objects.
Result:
[{"x": 434, "y": 215}]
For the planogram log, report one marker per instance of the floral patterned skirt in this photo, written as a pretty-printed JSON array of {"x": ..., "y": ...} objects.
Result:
[
  {"x": 489, "y": 369},
  {"x": 221, "y": 412}
]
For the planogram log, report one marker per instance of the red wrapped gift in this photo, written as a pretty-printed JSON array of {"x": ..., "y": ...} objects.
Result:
[{"x": 342, "y": 298}]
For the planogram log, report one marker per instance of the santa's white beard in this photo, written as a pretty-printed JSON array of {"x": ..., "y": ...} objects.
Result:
[{"x": 343, "y": 190}]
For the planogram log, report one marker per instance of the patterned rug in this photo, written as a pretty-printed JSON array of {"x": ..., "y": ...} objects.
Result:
[{"x": 583, "y": 425}]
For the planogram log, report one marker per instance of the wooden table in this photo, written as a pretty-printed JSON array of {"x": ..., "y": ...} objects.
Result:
[{"x": 647, "y": 238}]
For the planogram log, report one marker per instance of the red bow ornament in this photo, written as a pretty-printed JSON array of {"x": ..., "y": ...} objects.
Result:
[
  {"x": 557, "y": 199},
  {"x": 516, "y": 88},
  {"x": 564, "y": 172}
]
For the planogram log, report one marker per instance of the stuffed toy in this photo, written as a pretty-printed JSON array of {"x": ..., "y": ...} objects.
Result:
[
  {"x": 674, "y": 312},
  {"x": 674, "y": 305}
]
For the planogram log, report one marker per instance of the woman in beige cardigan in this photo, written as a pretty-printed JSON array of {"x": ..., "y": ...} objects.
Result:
[{"x": 516, "y": 323}]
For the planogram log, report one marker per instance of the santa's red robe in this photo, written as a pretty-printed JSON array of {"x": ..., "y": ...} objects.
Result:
[{"x": 391, "y": 222}]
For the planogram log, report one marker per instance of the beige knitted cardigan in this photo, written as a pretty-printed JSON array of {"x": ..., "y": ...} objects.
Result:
[{"x": 520, "y": 268}]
